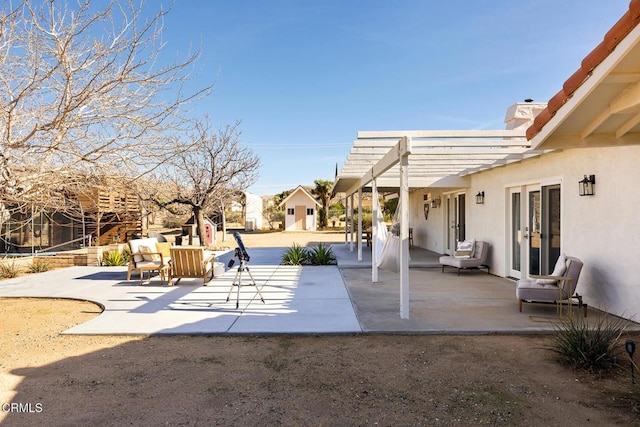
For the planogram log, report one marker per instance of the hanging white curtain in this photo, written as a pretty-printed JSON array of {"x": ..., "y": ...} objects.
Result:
[
  {"x": 390, "y": 255},
  {"x": 380, "y": 238}
]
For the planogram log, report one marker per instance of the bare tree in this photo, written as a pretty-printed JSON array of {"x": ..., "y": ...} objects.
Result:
[
  {"x": 85, "y": 91},
  {"x": 212, "y": 168},
  {"x": 272, "y": 211}
]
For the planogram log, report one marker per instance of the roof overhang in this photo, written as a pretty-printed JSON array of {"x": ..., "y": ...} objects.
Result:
[
  {"x": 605, "y": 109},
  {"x": 437, "y": 158},
  {"x": 301, "y": 189}
]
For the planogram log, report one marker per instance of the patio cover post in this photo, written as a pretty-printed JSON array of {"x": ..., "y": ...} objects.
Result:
[
  {"x": 359, "y": 235},
  {"x": 374, "y": 232},
  {"x": 351, "y": 228},
  {"x": 346, "y": 220},
  {"x": 405, "y": 150}
]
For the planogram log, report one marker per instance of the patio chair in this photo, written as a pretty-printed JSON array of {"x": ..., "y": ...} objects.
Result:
[
  {"x": 145, "y": 256},
  {"x": 559, "y": 287},
  {"x": 193, "y": 262},
  {"x": 470, "y": 254}
]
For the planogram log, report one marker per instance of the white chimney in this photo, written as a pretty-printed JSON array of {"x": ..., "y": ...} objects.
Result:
[{"x": 521, "y": 114}]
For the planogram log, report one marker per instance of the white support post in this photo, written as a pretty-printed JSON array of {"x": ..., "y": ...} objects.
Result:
[
  {"x": 405, "y": 150},
  {"x": 374, "y": 232},
  {"x": 351, "y": 221},
  {"x": 359, "y": 235},
  {"x": 346, "y": 220}
]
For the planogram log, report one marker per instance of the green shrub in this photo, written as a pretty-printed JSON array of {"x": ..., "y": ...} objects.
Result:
[
  {"x": 9, "y": 270},
  {"x": 38, "y": 266},
  {"x": 589, "y": 348},
  {"x": 115, "y": 258},
  {"x": 295, "y": 255},
  {"x": 321, "y": 255}
]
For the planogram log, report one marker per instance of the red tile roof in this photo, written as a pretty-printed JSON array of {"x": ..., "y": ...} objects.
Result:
[{"x": 619, "y": 31}]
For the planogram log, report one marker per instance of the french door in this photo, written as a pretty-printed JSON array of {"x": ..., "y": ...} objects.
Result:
[
  {"x": 515, "y": 233},
  {"x": 534, "y": 229},
  {"x": 456, "y": 221}
]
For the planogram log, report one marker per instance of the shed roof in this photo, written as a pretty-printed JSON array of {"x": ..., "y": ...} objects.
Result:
[{"x": 298, "y": 189}]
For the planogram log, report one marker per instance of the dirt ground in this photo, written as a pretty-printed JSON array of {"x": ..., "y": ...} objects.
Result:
[{"x": 342, "y": 380}]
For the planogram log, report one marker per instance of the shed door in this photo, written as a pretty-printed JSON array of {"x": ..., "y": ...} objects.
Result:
[{"x": 301, "y": 217}]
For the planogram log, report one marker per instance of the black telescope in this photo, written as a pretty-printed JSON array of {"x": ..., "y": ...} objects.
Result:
[
  {"x": 241, "y": 251},
  {"x": 243, "y": 256}
]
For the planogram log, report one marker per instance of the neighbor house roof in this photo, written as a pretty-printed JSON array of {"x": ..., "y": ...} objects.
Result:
[
  {"x": 300, "y": 188},
  {"x": 601, "y": 98}
]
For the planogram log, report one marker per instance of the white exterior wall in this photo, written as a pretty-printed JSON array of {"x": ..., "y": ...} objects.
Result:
[
  {"x": 601, "y": 230},
  {"x": 299, "y": 199},
  {"x": 427, "y": 233},
  {"x": 253, "y": 210}
]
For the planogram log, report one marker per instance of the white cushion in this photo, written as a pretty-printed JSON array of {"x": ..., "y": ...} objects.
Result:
[
  {"x": 144, "y": 250},
  {"x": 558, "y": 271},
  {"x": 465, "y": 250},
  {"x": 148, "y": 264},
  {"x": 135, "y": 247}
]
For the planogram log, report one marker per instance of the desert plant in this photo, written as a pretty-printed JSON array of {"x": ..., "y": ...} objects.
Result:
[
  {"x": 115, "y": 258},
  {"x": 38, "y": 266},
  {"x": 321, "y": 255},
  {"x": 589, "y": 348},
  {"x": 9, "y": 270},
  {"x": 295, "y": 255}
]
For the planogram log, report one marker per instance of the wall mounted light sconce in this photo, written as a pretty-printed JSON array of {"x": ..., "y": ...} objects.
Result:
[
  {"x": 435, "y": 203},
  {"x": 585, "y": 187},
  {"x": 480, "y": 198}
]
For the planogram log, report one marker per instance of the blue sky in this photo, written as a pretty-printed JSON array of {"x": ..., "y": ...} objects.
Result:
[{"x": 305, "y": 76}]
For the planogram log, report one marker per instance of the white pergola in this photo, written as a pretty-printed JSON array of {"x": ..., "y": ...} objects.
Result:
[{"x": 400, "y": 160}]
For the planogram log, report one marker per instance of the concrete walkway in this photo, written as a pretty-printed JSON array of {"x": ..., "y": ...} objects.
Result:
[{"x": 323, "y": 299}]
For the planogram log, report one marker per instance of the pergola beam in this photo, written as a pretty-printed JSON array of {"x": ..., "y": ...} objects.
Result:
[{"x": 397, "y": 134}]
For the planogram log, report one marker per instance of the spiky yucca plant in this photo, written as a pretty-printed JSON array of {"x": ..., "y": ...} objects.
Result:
[
  {"x": 115, "y": 258},
  {"x": 38, "y": 266},
  {"x": 321, "y": 255},
  {"x": 295, "y": 255},
  {"x": 589, "y": 348},
  {"x": 9, "y": 270}
]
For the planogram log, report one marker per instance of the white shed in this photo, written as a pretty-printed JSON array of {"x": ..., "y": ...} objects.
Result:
[
  {"x": 301, "y": 210},
  {"x": 253, "y": 212}
]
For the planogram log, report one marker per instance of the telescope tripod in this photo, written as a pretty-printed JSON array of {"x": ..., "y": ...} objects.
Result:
[{"x": 237, "y": 281}]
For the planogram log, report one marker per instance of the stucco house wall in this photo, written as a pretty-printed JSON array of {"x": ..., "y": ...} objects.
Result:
[{"x": 601, "y": 230}]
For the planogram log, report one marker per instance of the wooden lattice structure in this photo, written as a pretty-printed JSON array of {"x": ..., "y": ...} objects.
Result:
[{"x": 106, "y": 212}]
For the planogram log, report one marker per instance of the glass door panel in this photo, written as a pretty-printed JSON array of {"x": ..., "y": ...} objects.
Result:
[
  {"x": 450, "y": 226},
  {"x": 550, "y": 228},
  {"x": 533, "y": 231},
  {"x": 516, "y": 235},
  {"x": 461, "y": 222}
]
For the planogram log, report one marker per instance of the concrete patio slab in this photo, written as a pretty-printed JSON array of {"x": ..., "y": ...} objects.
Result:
[
  {"x": 323, "y": 299},
  {"x": 473, "y": 303},
  {"x": 297, "y": 300}
]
